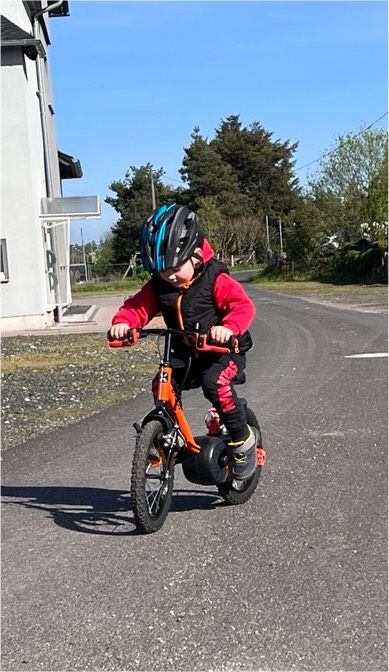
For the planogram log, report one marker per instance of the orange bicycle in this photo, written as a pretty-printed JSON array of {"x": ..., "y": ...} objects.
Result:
[{"x": 164, "y": 439}]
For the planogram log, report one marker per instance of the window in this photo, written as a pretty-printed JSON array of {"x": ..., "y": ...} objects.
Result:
[{"x": 4, "y": 272}]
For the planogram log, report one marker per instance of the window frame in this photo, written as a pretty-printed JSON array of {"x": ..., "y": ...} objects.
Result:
[{"x": 4, "y": 267}]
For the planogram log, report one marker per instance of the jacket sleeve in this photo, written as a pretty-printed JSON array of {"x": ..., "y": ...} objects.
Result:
[
  {"x": 139, "y": 309},
  {"x": 236, "y": 308}
]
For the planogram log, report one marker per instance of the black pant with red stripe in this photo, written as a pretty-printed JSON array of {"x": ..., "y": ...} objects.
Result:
[{"x": 217, "y": 376}]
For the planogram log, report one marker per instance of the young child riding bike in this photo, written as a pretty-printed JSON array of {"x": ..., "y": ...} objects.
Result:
[{"x": 193, "y": 290}]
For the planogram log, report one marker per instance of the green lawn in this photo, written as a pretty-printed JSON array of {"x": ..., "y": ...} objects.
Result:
[{"x": 102, "y": 287}]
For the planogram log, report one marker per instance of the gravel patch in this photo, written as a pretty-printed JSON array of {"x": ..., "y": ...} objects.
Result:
[{"x": 52, "y": 381}]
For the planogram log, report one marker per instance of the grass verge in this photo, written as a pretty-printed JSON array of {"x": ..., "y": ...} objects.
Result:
[
  {"x": 109, "y": 287},
  {"x": 51, "y": 381},
  {"x": 373, "y": 295}
]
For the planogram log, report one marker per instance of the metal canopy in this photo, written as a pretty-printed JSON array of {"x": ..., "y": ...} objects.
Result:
[
  {"x": 70, "y": 207},
  {"x": 14, "y": 36}
]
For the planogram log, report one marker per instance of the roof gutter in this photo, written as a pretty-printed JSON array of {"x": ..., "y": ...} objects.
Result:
[
  {"x": 27, "y": 43},
  {"x": 41, "y": 96}
]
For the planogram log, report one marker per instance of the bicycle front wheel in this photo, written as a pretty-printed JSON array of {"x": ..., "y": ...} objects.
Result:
[{"x": 151, "y": 479}]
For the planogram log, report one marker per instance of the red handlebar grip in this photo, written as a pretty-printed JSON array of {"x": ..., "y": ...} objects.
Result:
[
  {"x": 118, "y": 344},
  {"x": 213, "y": 348},
  {"x": 203, "y": 345},
  {"x": 131, "y": 338}
]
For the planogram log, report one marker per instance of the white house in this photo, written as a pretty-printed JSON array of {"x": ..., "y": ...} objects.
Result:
[{"x": 35, "y": 281}]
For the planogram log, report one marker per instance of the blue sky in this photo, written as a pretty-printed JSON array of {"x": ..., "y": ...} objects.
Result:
[{"x": 132, "y": 79}]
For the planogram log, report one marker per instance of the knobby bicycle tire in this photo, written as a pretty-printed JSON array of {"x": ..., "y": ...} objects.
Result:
[
  {"x": 150, "y": 507},
  {"x": 239, "y": 492}
]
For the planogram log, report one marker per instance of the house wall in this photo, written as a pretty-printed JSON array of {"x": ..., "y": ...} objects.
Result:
[{"x": 28, "y": 298}]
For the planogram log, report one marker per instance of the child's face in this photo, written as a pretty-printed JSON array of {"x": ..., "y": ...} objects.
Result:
[{"x": 179, "y": 275}]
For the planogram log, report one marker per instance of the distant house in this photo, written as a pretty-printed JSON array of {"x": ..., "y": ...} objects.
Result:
[{"x": 35, "y": 218}]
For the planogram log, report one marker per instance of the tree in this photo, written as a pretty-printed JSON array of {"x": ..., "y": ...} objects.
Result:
[
  {"x": 240, "y": 235},
  {"x": 377, "y": 205},
  {"x": 351, "y": 185},
  {"x": 133, "y": 203},
  {"x": 104, "y": 255},
  {"x": 262, "y": 167},
  {"x": 242, "y": 168},
  {"x": 305, "y": 235},
  {"x": 211, "y": 220},
  {"x": 249, "y": 236},
  {"x": 207, "y": 175}
]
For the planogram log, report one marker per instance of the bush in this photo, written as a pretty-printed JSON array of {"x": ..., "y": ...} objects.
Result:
[{"x": 361, "y": 261}]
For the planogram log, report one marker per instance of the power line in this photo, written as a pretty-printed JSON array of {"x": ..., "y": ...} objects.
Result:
[
  {"x": 332, "y": 151},
  {"x": 172, "y": 179},
  {"x": 342, "y": 144}
]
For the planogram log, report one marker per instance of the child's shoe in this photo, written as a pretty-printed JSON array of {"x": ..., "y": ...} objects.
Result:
[{"x": 244, "y": 456}]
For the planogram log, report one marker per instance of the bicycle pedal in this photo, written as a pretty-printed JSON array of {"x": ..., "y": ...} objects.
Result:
[
  {"x": 155, "y": 461},
  {"x": 261, "y": 457}
]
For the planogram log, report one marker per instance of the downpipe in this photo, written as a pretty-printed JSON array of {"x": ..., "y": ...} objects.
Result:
[{"x": 45, "y": 139}]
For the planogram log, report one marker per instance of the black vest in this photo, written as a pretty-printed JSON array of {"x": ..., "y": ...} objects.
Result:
[{"x": 193, "y": 304}]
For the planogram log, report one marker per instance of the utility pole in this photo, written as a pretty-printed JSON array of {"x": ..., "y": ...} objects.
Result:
[
  {"x": 152, "y": 189},
  {"x": 281, "y": 246},
  {"x": 267, "y": 232},
  {"x": 84, "y": 257},
  {"x": 268, "y": 253}
]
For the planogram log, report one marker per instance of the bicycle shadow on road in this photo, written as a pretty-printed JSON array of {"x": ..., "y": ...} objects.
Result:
[
  {"x": 96, "y": 510},
  {"x": 188, "y": 500}
]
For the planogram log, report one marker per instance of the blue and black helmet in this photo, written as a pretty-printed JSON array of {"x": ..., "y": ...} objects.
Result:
[{"x": 169, "y": 237}]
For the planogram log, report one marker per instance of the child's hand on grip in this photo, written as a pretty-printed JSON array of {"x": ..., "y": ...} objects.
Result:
[
  {"x": 220, "y": 334},
  {"x": 119, "y": 331}
]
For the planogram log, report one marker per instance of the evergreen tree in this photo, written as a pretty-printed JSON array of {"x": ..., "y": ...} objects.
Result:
[
  {"x": 233, "y": 181},
  {"x": 242, "y": 168},
  {"x": 133, "y": 203},
  {"x": 207, "y": 175},
  {"x": 264, "y": 168}
]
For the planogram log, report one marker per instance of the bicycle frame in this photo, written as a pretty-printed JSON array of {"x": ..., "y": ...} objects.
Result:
[
  {"x": 166, "y": 400},
  {"x": 164, "y": 439}
]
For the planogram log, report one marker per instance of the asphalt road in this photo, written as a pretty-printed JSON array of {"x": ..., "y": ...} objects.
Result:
[{"x": 294, "y": 580}]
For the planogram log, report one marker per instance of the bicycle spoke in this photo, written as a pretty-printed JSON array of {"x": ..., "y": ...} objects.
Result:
[
  {"x": 157, "y": 495},
  {"x": 151, "y": 479},
  {"x": 152, "y": 493}
]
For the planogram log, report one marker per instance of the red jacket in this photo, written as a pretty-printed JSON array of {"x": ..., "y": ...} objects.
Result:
[{"x": 236, "y": 309}]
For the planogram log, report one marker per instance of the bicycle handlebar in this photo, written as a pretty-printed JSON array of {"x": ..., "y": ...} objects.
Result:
[{"x": 202, "y": 342}]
